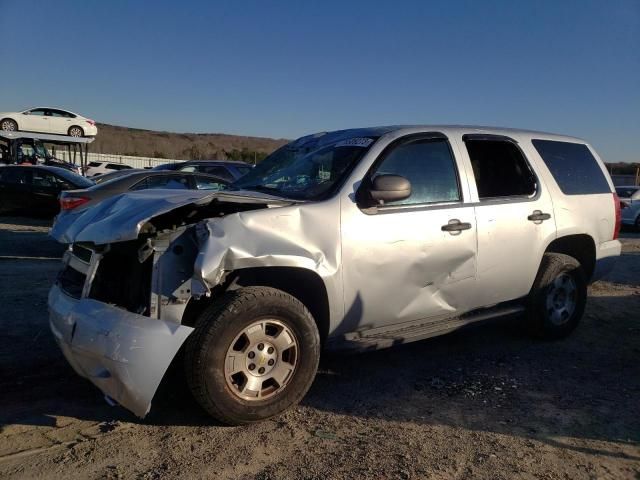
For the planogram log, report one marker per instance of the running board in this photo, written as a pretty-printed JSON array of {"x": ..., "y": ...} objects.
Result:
[{"x": 384, "y": 337}]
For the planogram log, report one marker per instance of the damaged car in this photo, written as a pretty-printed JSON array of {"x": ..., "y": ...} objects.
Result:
[{"x": 350, "y": 240}]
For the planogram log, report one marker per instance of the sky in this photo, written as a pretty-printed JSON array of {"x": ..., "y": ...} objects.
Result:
[{"x": 285, "y": 69}]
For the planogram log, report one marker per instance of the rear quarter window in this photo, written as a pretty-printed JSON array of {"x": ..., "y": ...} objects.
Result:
[{"x": 574, "y": 168}]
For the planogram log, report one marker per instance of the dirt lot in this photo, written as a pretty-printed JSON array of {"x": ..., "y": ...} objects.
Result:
[{"x": 481, "y": 403}]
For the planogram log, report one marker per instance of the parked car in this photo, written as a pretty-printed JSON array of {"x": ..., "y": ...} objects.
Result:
[
  {"x": 103, "y": 177},
  {"x": 136, "y": 180},
  {"x": 631, "y": 215},
  {"x": 227, "y": 169},
  {"x": 100, "y": 168},
  {"x": 34, "y": 189},
  {"x": 357, "y": 239},
  {"x": 48, "y": 120},
  {"x": 628, "y": 194}
]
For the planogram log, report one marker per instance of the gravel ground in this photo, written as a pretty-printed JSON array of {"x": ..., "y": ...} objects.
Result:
[{"x": 486, "y": 402}]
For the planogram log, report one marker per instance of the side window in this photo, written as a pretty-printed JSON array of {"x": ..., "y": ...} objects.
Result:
[
  {"x": 13, "y": 175},
  {"x": 37, "y": 111},
  {"x": 172, "y": 182},
  {"x": 208, "y": 183},
  {"x": 189, "y": 168},
  {"x": 61, "y": 113},
  {"x": 500, "y": 169},
  {"x": 430, "y": 167},
  {"x": 43, "y": 179},
  {"x": 574, "y": 168}
]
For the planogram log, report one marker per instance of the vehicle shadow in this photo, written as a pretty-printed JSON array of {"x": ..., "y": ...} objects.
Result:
[
  {"x": 490, "y": 378},
  {"x": 495, "y": 378}
]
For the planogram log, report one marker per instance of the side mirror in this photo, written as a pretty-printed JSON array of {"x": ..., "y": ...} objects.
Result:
[{"x": 386, "y": 188}]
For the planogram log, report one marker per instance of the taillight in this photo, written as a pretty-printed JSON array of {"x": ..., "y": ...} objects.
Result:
[
  {"x": 91, "y": 122},
  {"x": 69, "y": 203},
  {"x": 616, "y": 228}
]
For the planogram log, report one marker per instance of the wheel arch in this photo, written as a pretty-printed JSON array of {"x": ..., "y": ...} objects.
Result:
[
  {"x": 304, "y": 284},
  {"x": 582, "y": 247}
]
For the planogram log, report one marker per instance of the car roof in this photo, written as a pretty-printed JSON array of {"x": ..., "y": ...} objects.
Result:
[
  {"x": 400, "y": 130},
  {"x": 53, "y": 108},
  {"x": 217, "y": 162},
  {"x": 43, "y": 167}
]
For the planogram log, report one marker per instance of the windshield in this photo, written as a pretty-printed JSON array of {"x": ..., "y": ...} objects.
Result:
[
  {"x": 303, "y": 170},
  {"x": 40, "y": 149}
]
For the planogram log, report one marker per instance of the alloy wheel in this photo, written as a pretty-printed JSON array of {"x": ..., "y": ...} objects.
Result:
[
  {"x": 261, "y": 360},
  {"x": 561, "y": 299}
]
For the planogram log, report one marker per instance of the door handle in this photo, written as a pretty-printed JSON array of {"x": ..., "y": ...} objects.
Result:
[
  {"x": 538, "y": 216},
  {"x": 455, "y": 225}
]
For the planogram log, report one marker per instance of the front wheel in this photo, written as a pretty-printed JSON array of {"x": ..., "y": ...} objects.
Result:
[
  {"x": 253, "y": 354},
  {"x": 558, "y": 297},
  {"x": 8, "y": 125}
]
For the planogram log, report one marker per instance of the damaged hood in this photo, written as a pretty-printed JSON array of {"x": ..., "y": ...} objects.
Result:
[{"x": 120, "y": 218}]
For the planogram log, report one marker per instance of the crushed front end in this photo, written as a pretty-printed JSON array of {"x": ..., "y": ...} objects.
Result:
[
  {"x": 117, "y": 306},
  {"x": 106, "y": 314}
]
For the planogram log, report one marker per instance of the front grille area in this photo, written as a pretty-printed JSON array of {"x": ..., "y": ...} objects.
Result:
[
  {"x": 122, "y": 280},
  {"x": 71, "y": 281}
]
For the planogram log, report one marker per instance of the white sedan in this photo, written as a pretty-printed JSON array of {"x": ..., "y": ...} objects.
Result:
[{"x": 48, "y": 120}]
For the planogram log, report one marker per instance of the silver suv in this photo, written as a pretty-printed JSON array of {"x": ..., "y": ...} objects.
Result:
[{"x": 356, "y": 239}]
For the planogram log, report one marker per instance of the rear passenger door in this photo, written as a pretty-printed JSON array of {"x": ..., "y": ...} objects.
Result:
[
  {"x": 45, "y": 187},
  {"x": 59, "y": 122},
  {"x": 514, "y": 216}
]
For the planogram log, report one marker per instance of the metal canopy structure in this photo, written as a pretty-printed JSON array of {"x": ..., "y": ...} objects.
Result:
[{"x": 77, "y": 146}]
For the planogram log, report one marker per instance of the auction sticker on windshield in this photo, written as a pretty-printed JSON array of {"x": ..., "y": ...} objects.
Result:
[{"x": 355, "y": 142}]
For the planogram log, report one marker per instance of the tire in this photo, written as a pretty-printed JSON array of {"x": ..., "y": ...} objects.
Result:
[
  {"x": 558, "y": 297},
  {"x": 220, "y": 345},
  {"x": 8, "y": 125},
  {"x": 637, "y": 224},
  {"x": 75, "y": 131}
]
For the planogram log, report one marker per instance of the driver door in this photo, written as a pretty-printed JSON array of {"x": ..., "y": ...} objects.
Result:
[
  {"x": 36, "y": 120},
  {"x": 401, "y": 262}
]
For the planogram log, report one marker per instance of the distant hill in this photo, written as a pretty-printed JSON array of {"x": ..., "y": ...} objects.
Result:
[{"x": 187, "y": 146}]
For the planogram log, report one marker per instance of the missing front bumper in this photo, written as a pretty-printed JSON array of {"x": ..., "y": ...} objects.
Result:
[{"x": 124, "y": 354}]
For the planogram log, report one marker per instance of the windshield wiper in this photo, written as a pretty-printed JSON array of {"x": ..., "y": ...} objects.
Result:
[{"x": 257, "y": 188}]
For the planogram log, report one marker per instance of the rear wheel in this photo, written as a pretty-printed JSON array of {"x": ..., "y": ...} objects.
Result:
[
  {"x": 76, "y": 131},
  {"x": 253, "y": 354},
  {"x": 558, "y": 297},
  {"x": 8, "y": 125}
]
